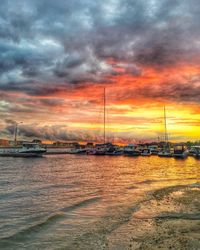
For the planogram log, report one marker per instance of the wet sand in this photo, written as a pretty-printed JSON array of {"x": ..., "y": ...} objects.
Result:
[{"x": 168, "y": 219}]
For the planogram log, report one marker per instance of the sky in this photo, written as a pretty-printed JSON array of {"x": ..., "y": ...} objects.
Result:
[{"x": 56, "y": 58}]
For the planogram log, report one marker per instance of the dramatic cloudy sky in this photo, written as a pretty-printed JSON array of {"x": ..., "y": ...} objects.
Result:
[{"x": 56, "y": 57}]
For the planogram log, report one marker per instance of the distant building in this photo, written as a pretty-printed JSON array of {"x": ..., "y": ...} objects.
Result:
[
  {"x": 4, "y": 142},
  {"x": 66, "y": 144}
]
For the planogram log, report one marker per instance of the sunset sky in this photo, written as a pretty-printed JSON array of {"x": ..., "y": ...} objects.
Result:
[{"x": 56, "y": 57}]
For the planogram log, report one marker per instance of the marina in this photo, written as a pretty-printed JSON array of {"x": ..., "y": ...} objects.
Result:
[
  {"x": 131, "y": 150},
  {"x": 162, "y": 148}
]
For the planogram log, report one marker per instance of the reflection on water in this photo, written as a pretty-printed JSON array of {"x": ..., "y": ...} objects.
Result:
[{"x": 49, "y": 202}]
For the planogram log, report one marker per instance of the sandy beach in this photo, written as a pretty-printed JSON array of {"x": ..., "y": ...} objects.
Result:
[{"x": 168, "y": 219}]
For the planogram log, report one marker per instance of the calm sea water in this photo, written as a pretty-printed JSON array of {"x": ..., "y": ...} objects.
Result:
[{"x": 54, "y": 201}]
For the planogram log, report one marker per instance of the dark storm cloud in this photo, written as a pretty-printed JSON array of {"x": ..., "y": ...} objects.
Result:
[
  {"x": 47, "y": 43},
  {"x": 188, "y": 92},
  {"x": 62, "y": 133},
  {"x": 174, "y": 91},
  {"x": 56, "y": 132}
]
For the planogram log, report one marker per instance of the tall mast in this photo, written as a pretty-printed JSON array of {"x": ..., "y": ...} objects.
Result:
[
  {"x": 15, "y": 134},
  {"x": 104, "y": 116},
  {"x": 166, "y": 137}
]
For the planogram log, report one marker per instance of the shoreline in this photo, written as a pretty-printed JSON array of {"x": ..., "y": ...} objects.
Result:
[{"x": 168, "y": 219}]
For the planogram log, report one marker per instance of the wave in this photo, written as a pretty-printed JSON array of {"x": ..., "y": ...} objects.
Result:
[
  {"x": 132, "y": 187},
  {"x": 162, "y": 192},
  {"x": 81, "y": 204},
  {"x": 163, "y": 180},
  {"x": 59, "y": 215},
  {"x": 100, "y": 230},
  {"x": 15, "y": 240},
  {"x": 147, "y": 181},
  {"x": 20, "y": 193}
]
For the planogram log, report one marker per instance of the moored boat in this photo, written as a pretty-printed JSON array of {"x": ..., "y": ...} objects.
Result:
[
  {"x": 76, "y": 151},
  {"x": 131, "y": 150},
  {"x": 195, "y": 151},
  {"x": 154, "y": 149},
  {"x": 146, "y": 152},
  {"x": 180, "y": 151},
  {"x": 165, "y": 153},
  {"x": 99, "y": 149},
  {"x": 114, "y": 151},
  {"x": 96, "y": 151},
  {"x": 27, "y": 150}
]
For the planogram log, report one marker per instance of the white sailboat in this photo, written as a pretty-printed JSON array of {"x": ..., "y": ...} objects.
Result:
[
  {"x": 101, "y": 149},
  {"x": 166, "y": 150}
]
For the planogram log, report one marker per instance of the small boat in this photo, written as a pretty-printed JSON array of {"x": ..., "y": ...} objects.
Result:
[
  {"x": 195, "y": 151},
  {"x": 27, "y": 150},
  {"x": 99, "y": 149},
  {"x": 165, "y": 153},
  {"x": 154, "y": 149},
  {"x": 192, "y": 150},
  {"x": 131, "y": 150},
  {"x": 146, "y": 152},
  {"x": 180, "y": 151},
  {"x": 114, "y": 151},
  {"x": 76, "y": 151}
]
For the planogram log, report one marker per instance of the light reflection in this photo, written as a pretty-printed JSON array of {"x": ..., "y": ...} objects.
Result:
[{"x": 76, "y": 192}]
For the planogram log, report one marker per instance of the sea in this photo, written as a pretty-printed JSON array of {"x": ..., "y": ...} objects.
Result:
[{"x": 63, "y": 201}]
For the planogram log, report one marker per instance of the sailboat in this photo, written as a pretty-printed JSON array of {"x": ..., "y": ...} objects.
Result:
[
  {"x": 166, "y": 150},
  {"x": 101, "y": 149}
]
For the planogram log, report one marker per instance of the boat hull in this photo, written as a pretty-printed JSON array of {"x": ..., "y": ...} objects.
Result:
[
  {"x": 114, "y": 153},
  {"x": 180, "y": 156},
  {"x": 146, "y": 152},
  {"x": 165, "y": 154},
  {"x": 24, "y": 155},
  {"x": 132, "y": 154},
  {"x": 197, "y": 156},
  {"x": 94, "y": 152},
  {"x": 76, "y": 152}
]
